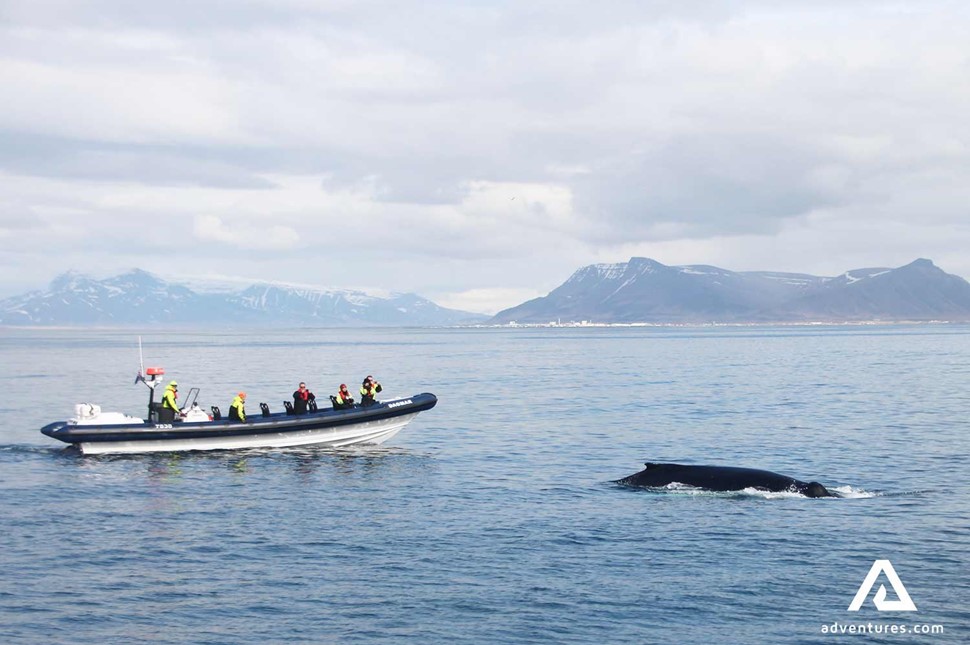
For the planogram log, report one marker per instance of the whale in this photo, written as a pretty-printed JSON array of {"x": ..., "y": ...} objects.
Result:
[{"x": 721, "y": 478}]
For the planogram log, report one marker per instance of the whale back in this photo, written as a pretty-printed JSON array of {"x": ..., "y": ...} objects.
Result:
[{"x": 720, "y": 478}]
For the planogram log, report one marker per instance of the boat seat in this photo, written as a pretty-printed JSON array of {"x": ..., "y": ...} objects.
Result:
[
  {"x": 265, "y": 409},
  {"x": 289, "y": 408},
  {"x": 216, "y": 413},
  {"x": 336, "y": 406}
]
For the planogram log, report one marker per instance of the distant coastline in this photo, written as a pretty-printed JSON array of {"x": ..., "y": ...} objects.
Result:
[
  {"x": 638, "y": 293},
  {"x": 585, "y": 324}
]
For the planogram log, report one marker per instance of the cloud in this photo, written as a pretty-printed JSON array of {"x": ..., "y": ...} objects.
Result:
[
  {"x": 211, "y": 227},
  {"x": 459, "y": 147},
  {"x": 41, "y": 155}
]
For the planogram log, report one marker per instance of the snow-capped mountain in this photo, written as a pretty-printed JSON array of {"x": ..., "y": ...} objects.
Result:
[
  {"x": 643, "y": 290},
  {"x": 138, "y": 297}
]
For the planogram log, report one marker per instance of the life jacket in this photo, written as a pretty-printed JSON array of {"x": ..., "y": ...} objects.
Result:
[
  {"x": 169, "y": 399},
  {"x": 240, "y": 406},
  {"x": 341, "y": 399}
]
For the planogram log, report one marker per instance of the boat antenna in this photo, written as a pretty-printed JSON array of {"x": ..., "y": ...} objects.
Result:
[
  {"x": 152, "y": 374},
  {"x": 141, "y": 364}
]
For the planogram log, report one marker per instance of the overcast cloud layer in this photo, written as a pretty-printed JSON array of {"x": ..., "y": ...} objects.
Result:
[{"x": 477, "y": 153}]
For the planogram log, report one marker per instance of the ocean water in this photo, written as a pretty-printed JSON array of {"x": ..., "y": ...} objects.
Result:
[{"x": 493, "y": 517}]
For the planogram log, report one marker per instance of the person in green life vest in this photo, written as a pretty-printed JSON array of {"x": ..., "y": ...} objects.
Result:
[
  {"x": 237, "y": 411},
  {"x": 170, "y": 406},
  {"x": 368, "y": 390},
  {"x": 343, "y": 400}
]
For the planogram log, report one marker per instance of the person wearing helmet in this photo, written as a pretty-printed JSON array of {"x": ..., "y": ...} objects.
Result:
[
  {"x": 170, "y": 407},
  {"x": 237, "y": 410},
  {"x": 342, "y": 400},
  {"x": 368, "y": 390}
]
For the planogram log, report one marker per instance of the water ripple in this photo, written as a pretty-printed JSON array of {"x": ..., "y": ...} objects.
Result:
[{"x": 493, "y": 517}]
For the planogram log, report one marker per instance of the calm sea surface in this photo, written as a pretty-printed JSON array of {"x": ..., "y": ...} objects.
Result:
[{"x": 492, "y": 518}]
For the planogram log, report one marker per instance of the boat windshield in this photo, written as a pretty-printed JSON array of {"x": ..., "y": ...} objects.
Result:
[{"x": 191, "y": 397}]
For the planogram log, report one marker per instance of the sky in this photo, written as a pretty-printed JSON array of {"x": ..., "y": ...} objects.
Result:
[{"x": 479, "y": 152}]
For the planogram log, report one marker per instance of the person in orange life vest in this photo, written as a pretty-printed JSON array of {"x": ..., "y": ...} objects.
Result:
[
  {"x": 343, "y": 400},
  {"x": 368, "y": 390},
  {"x": 301, "y": 399}
]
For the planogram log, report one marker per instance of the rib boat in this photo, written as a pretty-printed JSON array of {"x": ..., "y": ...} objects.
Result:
[{"x": 95, "y": 432}]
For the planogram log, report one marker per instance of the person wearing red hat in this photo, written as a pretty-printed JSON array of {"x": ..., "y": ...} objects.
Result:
[
  {"x": 342, "y": 400},
  {"x": 237, "y": 411}
]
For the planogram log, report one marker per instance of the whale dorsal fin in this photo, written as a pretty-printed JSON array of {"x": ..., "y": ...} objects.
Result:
[{"x": 650, "y": 464}]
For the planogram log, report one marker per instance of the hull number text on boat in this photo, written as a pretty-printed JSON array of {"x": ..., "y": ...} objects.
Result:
[{"x": 397, "y": 404}]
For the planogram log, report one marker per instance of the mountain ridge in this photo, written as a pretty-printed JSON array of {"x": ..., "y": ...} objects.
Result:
[
  {"x": 139, "y": 297},
  {"x": 644, "y": 290}
]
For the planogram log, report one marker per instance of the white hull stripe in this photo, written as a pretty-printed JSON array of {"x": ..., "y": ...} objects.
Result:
[{"x": 369, "y": 432}]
